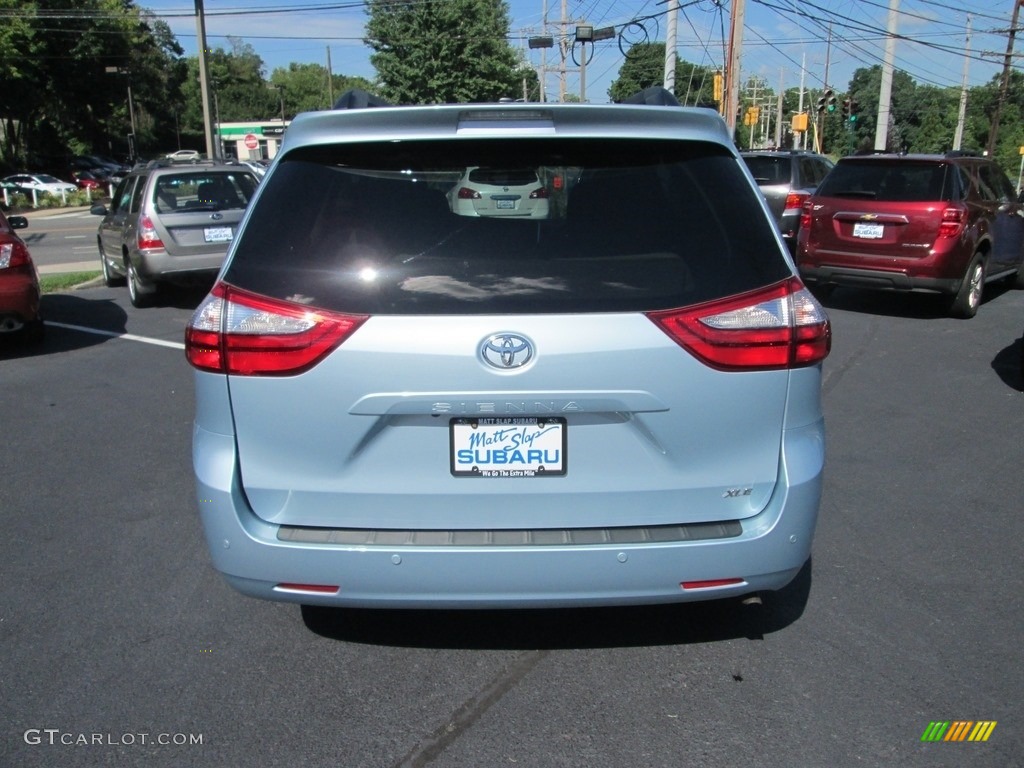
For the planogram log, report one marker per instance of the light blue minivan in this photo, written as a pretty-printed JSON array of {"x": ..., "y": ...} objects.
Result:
[{"x": 401, "y": 405}]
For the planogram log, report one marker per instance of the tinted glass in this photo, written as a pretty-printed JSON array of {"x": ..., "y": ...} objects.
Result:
[
  {"x": 634, "y": 226},
  {"x": 899, "y": 181},
  {"x": 508, "y": 177},
  {"x": 208, "y": 190},
  {"x": 769, "y": 170}
]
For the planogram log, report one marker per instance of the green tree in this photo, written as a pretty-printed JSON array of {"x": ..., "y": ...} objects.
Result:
[
  {"x": 58, "y": 95},
  {"x": 444, "y": 51},
  {"x": 304, "y": 88},
  {"x": 644, "y": 66}
]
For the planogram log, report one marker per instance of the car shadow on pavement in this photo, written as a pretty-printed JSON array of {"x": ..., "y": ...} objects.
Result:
[
  {"x": 553, "y": 628},
  {"x": 1009, "y": 365},
  {"x": 182, "y": 296},
  {"x": 913, "y": 306},
  {"x": 69, "y": 309}
]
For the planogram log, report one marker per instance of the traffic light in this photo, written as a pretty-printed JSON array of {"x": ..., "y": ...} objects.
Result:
[
  {"x": 821, "y": 104},
  {"x": 846, "y": 109},
  {"x": 853, "y": 111},
  {"x": 830, "y": 100}
]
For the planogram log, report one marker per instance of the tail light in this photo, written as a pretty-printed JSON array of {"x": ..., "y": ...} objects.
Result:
[
  {"x": 148, "y": 237},
  {"x": 541, "y": 193},
  {"x": 805, "y": 217},
  {"x": 782, "y": 326},
  {"x": 242, "y": 333},
  {"x": 14, "y": 255},
  {"x": 953, "y": 220},
  {"x": 795, "y": 201},
  {"x": 465, "y": 193}
]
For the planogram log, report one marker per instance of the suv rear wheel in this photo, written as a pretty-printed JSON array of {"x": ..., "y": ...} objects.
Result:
[
  {"x": 968, "y": 298},
  {"x": 140, "y": 293},
  {"x": 110, "y": 279}
]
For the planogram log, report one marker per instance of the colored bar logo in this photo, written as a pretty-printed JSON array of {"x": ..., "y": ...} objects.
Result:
[{"x": 958, "y": 730}]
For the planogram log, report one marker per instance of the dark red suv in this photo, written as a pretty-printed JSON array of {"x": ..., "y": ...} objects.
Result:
[{"x": 945, "y": 224}]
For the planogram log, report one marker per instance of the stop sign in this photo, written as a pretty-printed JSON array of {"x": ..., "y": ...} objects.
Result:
[{"x": 251, "y": 142}]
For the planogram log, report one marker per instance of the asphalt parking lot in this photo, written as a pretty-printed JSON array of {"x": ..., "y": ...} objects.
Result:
[{"x": 120, "y": 645}]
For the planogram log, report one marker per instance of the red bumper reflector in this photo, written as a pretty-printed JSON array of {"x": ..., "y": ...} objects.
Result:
[
  {"x": 707, "y": 584},
  {"x": 317, "y": 589}
]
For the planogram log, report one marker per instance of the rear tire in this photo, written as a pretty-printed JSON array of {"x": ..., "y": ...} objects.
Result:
[
  {"x": 109, "y": 278},
  {"x": 140, "y": 294},
  {"x": 967, "y": 300}
]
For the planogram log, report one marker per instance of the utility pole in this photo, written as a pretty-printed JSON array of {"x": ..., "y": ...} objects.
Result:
[
  {"x": 732, "y": 74},
  {"x": 330, "y": 84},
  {"x": 204, "y": 89},
  {"x": 885, "y": 94},
  {"x": 778, "y": 114},
  {"x": 958, "y": 136},
  {"x": 1005, "y": 83},
  {"x": 670, "y": 46}
]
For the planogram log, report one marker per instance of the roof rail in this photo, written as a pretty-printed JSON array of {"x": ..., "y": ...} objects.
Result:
[
  {"x": 655, "y": 96},
  {"x": 165, "y": 162},
  {"x": 357, "y": 98}
]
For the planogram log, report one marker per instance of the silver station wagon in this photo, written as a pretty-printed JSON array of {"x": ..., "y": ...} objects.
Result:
[{"x": 404, "y": 403}]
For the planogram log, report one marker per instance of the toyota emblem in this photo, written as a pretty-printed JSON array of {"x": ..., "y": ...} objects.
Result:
[{"x": 506, "y": 350}]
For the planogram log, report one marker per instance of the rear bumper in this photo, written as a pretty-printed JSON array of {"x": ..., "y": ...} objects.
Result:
[
  {"x": 767, "y": 553},
  {"x": 162, "y": 266},
  {"x": 876, "y": 279},
  {"x": 19, "y": 299}
]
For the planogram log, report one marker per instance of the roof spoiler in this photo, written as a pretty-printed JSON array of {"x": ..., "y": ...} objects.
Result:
[
  {"x": 357, "y": 98},
  {"x": 655, "y": 96}
]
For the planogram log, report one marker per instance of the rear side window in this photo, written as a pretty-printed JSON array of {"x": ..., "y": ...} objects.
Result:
[
  {"x": 375, "y": 229},
  {"x": 902, "y": 181}
]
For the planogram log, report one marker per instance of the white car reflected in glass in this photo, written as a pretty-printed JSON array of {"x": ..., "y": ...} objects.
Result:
[{"x": 499, "y": 192}]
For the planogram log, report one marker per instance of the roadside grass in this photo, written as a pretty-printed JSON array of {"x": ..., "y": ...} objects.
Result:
[{"x": 66, "y": 280}]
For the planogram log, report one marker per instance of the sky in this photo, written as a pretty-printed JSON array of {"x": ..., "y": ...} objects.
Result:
[{"x": 785, "y": 42}]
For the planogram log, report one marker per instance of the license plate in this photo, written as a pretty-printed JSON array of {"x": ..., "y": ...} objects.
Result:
[
  {"x": 508, "y": 447},
  {"x": 217, "y": 234},
  {"x": 868, "y": 231},
  {"x": 504, "y": 203}
]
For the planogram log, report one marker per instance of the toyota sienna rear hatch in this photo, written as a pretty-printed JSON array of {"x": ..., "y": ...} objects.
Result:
[{"x": 625, "y": 362}]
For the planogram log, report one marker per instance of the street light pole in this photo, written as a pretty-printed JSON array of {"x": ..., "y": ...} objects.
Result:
[{"x": 131, "y": 108}]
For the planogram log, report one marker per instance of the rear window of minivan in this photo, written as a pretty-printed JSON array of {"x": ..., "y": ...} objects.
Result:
[{"x": 630, "y": 226}]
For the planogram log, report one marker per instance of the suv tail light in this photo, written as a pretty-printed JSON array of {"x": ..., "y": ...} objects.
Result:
[
  {"x": 148, "y": 237},
  {"x": 465, "y": 193},
  {"x": 242, "y": 333},
  {"x": 13, "y": 255},
  {"x": 795, "y": 201},
  {"x": 805, "y": 217},
  {"x": 953, "y": 220},
  {"x": 541, "y": 193},
  {"x": 781, "y": 326}
]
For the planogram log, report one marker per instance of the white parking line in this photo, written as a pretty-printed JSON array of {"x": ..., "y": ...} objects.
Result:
[{"x": 115, "y": 335}]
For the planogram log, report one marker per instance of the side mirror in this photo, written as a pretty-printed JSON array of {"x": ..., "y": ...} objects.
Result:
[
  {"x": 17, "y": 222},
  {"x": 98, "y": 210}
]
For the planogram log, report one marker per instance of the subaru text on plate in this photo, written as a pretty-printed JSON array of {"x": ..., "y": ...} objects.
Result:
[{"x": 403, "y": 403}]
